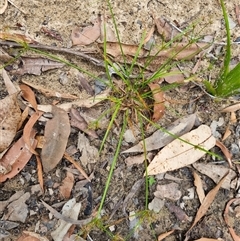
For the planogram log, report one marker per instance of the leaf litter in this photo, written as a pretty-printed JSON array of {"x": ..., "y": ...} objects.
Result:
[{"x": 68, "y": 107}]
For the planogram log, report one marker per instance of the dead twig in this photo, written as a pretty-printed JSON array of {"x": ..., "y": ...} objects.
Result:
[{"x": 56, "y": 49}]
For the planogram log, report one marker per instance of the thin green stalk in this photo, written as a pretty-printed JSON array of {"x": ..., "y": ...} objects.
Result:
[
  {"x": 113, "y": 163},
  {"x": 145, "y": 162},
  {"x": 115, "y": 113}
]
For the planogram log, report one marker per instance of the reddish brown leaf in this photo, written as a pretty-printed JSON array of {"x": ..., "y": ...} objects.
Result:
[
  {"x": 67, "y": 185},
  {"x": 16, "y": 158},
  {"x": 10, "y": 117},
  {"x": 56, "y": 135},
  {"x": 158, "y": 108},
  {"x": 28, "y": 129},
  {"x": 29, "y": 95},
  {"x": 237, "y": 11},
  {"x": 40, "y": 172},
  {"x": 88, "y": 35},
  {"x": 225, "y": 151}
]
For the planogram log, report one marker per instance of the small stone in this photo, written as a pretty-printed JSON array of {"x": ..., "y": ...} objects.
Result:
[{"x": 234, "y": 149}]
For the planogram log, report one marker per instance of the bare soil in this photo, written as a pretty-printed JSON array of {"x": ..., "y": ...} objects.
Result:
[{"x": 132, "y": 18}]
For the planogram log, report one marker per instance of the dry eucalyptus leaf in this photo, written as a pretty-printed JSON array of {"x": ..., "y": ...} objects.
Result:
[
  {"x": 10, "y": 117},
  {"x": 160, "y": 138},
  {"x": 67, "y": 185},
  {"x": 16, "y": 158},
  {"x": 11, "y": 88},
  {"x": 56, "y": 135},
  {"x": 158, "y": 107},
  {"x": 207, "y": 202},
  {"x": 178, "y": 154},
  {"x": 88, "y": 35},
  {"x": 36, "y": 65}
]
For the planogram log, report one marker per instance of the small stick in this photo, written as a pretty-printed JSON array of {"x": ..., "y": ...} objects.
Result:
[
  {"x": 58, "y": 49},
  {"x": 10, "y": 1}
]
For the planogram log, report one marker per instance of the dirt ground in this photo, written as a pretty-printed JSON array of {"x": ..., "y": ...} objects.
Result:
[{"x": 133, "y": 17}]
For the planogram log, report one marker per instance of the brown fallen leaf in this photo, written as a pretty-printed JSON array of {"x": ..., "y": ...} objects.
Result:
[
  {"x": 178, "y": 154},
  {"x": 4, "y": 7},
  {"x": 56, "y": 133},
  {"x": 158, "y": 107},
  {"x": 227, "y": 132},
  {"x": 29, "y": 95},
  {"x": 11, "y": 88},
  {"x": 78, "y": 121},
  {"x": 67, "y": 185},
  {"x": 164, "y": 235},
  {"x": 31, "y": 236},
  {"x": 28, "y": 129},
  {"x": 208, "y": 239},
  {"x": 51, "y": 33},
  {"x": 231, "y": 108},
  {"x": 88, "y": 35},
  {"x": 199, "y": 187},
  {"x": 16, "y": 158},
  {"x": 88, "y": 103},
  {"x": 235, "y": 237},
  {"x": 10, "y": 117},
  {"x": 225, "y": 151},
  {"x": 50, "y": 93},
  {"x": 16, "y": 37},
  {"x": 207, "y": 202},
  {"x": 36, "y": 65},
  {"x": 78, "y": 167},
  {"x": 40, "y": 172},
  {"x": 83, "y": 83},
  {"x": 165, "y": 29}
]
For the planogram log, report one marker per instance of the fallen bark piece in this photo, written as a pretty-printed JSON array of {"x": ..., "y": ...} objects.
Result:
[{"x": 184, "y": 152}]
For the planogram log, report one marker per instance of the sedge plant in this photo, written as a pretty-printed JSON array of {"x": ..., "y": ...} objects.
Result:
[{"x": 228, "y": 82}]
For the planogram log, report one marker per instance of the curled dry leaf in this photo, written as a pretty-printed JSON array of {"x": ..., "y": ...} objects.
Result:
[
  {"x": 4, "y": 7},
  {"x": 36, "y": 65},
  {"x": 161, "y": 138},
  {"x": 10, "y": 117},
  {"x": 158, "y": 107},
  {"x": 56, "y": 135},
  {"x": 29, "y": 95},
  {"x": 225, "y": 151},
  {"x": 178, "y": 154},
  {"x": 16, "y": 158},
  {"x": 88, "y": 35},
  {"x": 78, "y": 121}
]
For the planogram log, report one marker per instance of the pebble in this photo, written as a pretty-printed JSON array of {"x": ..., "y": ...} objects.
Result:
[{"x": 234, "y": 149}]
